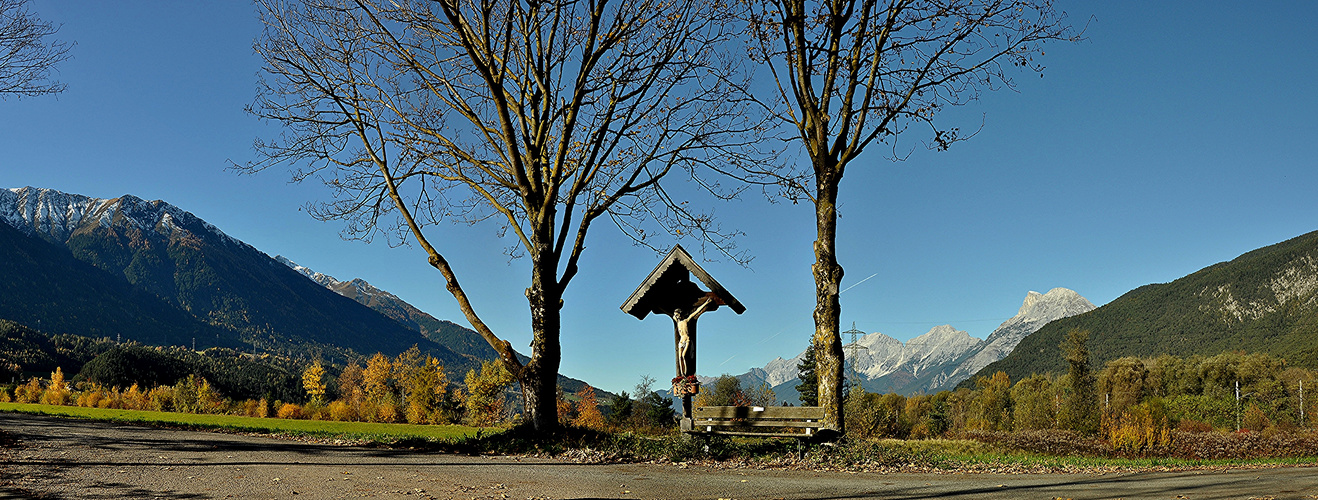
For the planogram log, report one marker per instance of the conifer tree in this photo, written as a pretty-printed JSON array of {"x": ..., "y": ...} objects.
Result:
[
  {"x": 809, "y": 386},
  {"x": 1082, "y": 414}
]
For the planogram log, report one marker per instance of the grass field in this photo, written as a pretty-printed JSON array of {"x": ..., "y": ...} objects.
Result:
[{"x": 346, "y": 430}]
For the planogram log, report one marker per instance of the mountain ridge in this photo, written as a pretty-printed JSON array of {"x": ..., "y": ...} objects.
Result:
[
  {"x": 1265, "y": 300},
  {"x": 197, "y": 269},
  {"x": 935, "y": 360}
]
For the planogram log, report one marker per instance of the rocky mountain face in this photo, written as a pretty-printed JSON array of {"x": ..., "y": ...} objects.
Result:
[
  {"x": 936, "y": 360},
  {"x": 1037, "y": 310},
  {"x": 184, "y": 276},
  {"x": 1263, "y": 301}
]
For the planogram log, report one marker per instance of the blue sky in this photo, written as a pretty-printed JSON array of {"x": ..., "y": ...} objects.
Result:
[{"x": 1176, "y": 136}]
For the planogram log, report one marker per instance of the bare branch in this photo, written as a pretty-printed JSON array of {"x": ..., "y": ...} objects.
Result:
[{"x": 27, "y": 53}]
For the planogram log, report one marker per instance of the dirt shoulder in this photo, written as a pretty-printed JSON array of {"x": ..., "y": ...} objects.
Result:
[{"x": 51, "y": 457}]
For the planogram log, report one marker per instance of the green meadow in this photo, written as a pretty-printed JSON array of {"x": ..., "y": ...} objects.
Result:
[{"x": 321, "y": 428}]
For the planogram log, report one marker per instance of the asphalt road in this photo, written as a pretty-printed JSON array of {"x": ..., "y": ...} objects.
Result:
[{"x": 49, "y": 457}]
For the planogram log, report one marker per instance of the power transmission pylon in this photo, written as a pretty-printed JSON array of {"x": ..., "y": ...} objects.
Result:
[{"x": 854, "y": 346}]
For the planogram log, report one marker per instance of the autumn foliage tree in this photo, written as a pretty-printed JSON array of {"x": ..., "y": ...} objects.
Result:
[
  {"x": 313, "y": 380},
  {"x": 588, "y": 410},
  {"x": 485, "y": 394}
]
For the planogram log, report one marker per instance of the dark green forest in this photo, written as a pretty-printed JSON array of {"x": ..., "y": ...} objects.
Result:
[{"x": 26, "y": 353}]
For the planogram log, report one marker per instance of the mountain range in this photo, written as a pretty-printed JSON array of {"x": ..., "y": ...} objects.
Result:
[
  {"x": 447, "y": 333},
  {"x": 934, "y": 361},
  {"x": 151, "y": 272},
  {"x": 1263, "y": 301}
]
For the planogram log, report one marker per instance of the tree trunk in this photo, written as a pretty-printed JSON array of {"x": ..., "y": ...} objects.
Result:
[
  {"x": 539, "y": 378},
  {"x": 828, "y": 310}
]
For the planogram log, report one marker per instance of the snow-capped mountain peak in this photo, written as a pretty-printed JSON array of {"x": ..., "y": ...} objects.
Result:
[
  {"x": 323, "y": 279},
  {"x": 57, "y": 215},
  {"x": 943, "y": 356},
  {"x": 1058, "y": 302},
  {"x": 1036, "y": 310}
]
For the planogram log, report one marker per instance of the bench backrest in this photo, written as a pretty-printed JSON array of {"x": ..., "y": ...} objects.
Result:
[{"x": 787, "y": 413}]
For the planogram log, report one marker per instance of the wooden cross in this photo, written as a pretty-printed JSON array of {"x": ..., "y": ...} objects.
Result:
[{"x": 670, "y": 291}]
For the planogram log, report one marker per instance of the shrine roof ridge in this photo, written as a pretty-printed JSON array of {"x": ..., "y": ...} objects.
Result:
[{"x": 677, "y": 256}]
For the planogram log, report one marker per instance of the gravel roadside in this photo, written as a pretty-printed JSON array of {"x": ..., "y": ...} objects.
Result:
[{"x": 51, "y": 457}]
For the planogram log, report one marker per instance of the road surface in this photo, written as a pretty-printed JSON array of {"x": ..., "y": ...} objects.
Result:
[{"x": 51, "y": 457}]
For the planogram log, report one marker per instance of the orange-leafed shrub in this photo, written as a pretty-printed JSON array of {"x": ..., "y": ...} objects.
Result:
[
  {"x": 58, "y": 392},
  {"x": 135, "y": 399},
  {"x": 1254, "y": 419},
  {"x": 290, "y": 411},
  {"x": 162, "y": 398}
]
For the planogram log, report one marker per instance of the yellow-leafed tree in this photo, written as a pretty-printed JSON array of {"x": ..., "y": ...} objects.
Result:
[
  {"x": 313, "y": 380},
  {"x": 588, "y": 411},
  {"x": 58, "y": 393},
  {"x": 485, "y": 401},
  {"x": 424, "y": 387}
]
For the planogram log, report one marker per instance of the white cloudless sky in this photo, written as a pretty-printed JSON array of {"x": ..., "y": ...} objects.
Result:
[{"x": 1177, "y": 135}]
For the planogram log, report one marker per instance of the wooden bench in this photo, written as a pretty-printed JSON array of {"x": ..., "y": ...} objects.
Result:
[{"x": 801, "y": 422}]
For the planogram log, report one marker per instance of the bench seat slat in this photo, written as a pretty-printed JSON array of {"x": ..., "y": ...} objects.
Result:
[
  {"x": 759, "y": 434},
  {"x": 756, "y": 423}
]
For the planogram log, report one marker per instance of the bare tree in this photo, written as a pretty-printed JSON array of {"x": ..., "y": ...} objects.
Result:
[
  {"x": 542, "y": 115},
  {"x": 27, "y": 54},
  {"x": 853, "y": 72}
]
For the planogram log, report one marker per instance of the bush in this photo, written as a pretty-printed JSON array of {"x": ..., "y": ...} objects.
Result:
[
  {"x": 1188, "y": 425},
  {"x": 1142, "y": 430},
  {"x": 58, "y": 393},
  {"x": 341, "y": 411},
  {"x": 95, "y": 396},
  {"x": 315, "y": 410},
  {"x": 135, "y": 399},
  {"x": 588, "y": 412},
  {"x": 387, "y": 411},
  {"x": 290, "y": 411},
  {"x": 162, "y": 398},
  {"x": 1254, "y": 419},
  {"x": 29, "y": 392},
  {"x": 1220, "y": 412},
  {"x": 1242, "y": 445},
  {"x": 871, "y": 415},
  {"x": 485, "y": 405}
]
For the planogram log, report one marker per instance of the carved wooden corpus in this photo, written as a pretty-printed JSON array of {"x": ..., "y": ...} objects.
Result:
[{"x": 670, "y": 291}]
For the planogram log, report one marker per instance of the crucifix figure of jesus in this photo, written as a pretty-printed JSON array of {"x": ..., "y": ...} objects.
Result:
[{"x": 684, "y": 332}]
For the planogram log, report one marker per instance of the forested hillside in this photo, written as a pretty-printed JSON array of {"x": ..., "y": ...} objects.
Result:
[
  {"x": 1265, "y": 301},
  {"x": 43, "y": 284}
]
